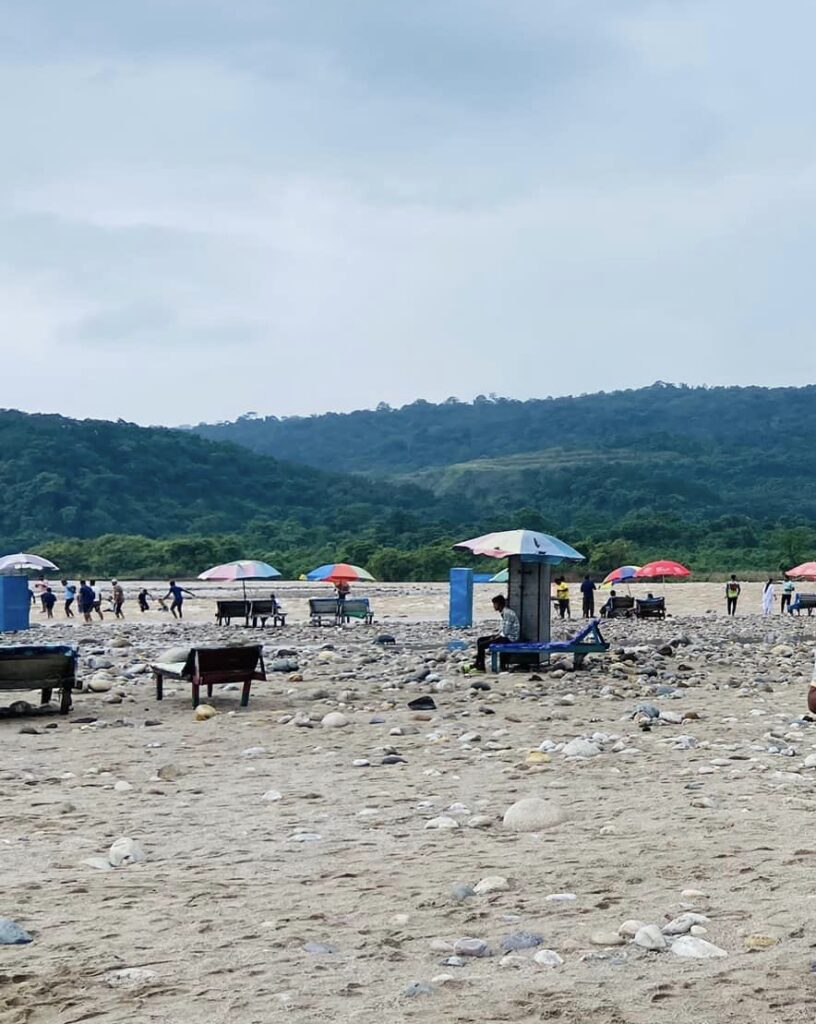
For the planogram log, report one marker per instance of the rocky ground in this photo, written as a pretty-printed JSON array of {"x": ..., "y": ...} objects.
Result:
[{"x": 630, "y": 843}]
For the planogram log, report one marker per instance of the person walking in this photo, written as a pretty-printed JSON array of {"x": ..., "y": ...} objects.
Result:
[
  {"x": 85, "y": 601},
  {"x": 732, "y": 593},
  {"x": 97, "y": 603},
  {"x": 788, "y": 589},
  {"x": 509, "y": 631},
  {"x": 177, "y": 593},
  {"x": 118, "y": 598},
  {"x": 68, "y": 596},
  {"x": 588, "y": 597},
  {"x": 142, "y": 597},
  {"x": 562, "y": 596},
  {"x": 49, "y": 600},
  {"x": 768, "y": 598}
]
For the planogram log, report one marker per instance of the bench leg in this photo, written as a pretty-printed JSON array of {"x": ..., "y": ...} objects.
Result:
[
  {"x": 159, "y": 686},
  {"x": 578, "y": 660},
  {"x": 245, "y": 693},
  {"x": 45, "y": 696},
  {"x": 494, "y": 661},
  {"x": 195, "y": 695},
  {"x": 65, "y": 700},
  {"x": 209, "y": 690}
]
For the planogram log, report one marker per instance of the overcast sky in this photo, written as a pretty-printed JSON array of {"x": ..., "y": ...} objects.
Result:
[{"x": 288, "y": 206}]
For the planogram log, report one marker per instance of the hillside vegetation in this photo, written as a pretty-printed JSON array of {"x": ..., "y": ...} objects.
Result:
[{"x": 723, "y": 479}]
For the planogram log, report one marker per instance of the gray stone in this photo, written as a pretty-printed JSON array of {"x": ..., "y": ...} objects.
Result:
[
  {"x": 471, "y": 947},
  {"x": 650, "y": 937},
  {"x": 698, "y": 949},
  {"x": 532, "y": 814},
  {"x": 11, "y": 934},
  {"x": 521, "y": 940}
]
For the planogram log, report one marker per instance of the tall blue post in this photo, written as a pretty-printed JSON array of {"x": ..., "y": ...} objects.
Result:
[
  {"x": 460, "y": 615},
  {"x": 14, "y": 603}
]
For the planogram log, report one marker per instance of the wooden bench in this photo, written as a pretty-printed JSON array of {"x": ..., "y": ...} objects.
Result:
[
  {"x": 650, "y": 607},
  {"x": 806, "y": 601},
  {"x": 588, "y": 641},
  {"x": 46, "y": 667},
  {"x": 619, "y": 607},
  {"x": 266, "y": 609},
  {"x": 329, "y": 607},
  {"x": 207, "y": 666},
  {"x": 226, "y": 611}
]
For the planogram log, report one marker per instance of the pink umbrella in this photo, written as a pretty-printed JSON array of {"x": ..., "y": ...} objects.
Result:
[
  {"x": 660, "y": 569},
  {"x": 805, "y": 571}
]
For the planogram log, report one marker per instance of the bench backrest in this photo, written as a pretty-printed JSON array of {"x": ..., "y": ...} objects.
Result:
[
  {"x": 623, "y": 602},
  {"x": 264, "y": 607},
  {"x": 47, "y": 666},
  {"x": 322, "y": 605},
  {"x": 806, "y": 600},
  {"x": 356, "y": 605},
  {"x": 651, "y": 602},
  {"x": 223, "y": 659},
  {"x": 232, "y": 607}
]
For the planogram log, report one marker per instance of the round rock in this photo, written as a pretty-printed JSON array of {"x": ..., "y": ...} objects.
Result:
[{"x": 532, "y": 814}]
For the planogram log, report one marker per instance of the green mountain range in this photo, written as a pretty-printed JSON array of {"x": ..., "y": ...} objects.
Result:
[{"x": 723, "y": 478}]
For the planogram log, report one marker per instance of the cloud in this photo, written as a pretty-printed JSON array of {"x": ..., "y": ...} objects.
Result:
[{"x": 298, "y": 206}]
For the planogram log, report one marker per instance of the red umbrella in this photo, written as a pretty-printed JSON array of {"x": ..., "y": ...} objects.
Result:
[
  {"x": 659, "y": 569},
  {"x": 805, "y": 571}
]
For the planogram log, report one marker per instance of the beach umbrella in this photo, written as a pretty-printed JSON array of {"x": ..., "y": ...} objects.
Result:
[
  {"x": 339, "y": 572},
  {"x": 501, "y": 577},
  {"x": 539, "y": 546},
  {"x": 243, "y": 570},
  {"x": 622, "y": 574},
  {"x": 805, "y": 571},
  {"x": 661, "y": 569},
  {"x": 22, "y": 561}
]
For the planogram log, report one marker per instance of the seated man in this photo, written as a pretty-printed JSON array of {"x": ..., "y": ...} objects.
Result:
[
  {"x": 509, "y": 631},
  {"x": 610, "y": 604}
]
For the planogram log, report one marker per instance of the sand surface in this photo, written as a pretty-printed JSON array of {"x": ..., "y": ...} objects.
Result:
[{"x": 328, "y": 903}]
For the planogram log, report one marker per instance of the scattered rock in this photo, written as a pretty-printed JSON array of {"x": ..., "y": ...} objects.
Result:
[
  {"x": 11, "y": 934},
  {"x": 699, "y": 949},
  {"x": 532, "y": 814}
]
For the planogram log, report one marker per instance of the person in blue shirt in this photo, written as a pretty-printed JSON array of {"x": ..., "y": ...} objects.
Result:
[
  {"x": 86, "y": 601},
  {"x": 588, "y": 595},
  {"x": 69, "y": 594},
  {"x": 177, "y": 593}
]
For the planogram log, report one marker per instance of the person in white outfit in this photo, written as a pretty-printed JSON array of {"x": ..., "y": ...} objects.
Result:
[{"x": 768, "y": 598}]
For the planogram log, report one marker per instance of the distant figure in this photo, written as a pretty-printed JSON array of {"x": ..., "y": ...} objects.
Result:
[
  {"x": 342, "y": 588},
  {"x": 118, "y": 598},
  {"x": 562, "y": 596},
  {"x": 142, "y": 597},
  {"x": 68, "y": 596},
  {"x": 49, "y": 600},
  {"x": 86, "y": 600},
  {"x": 610, "y": 604},
  {"x": 509, "y": 631},
  {"x": 788, "y": 588},
  {"x": 732, "y": 593},
  {"x": 177, "y": 593},
  {"x": 97, "y": 605},
  {"x": 768, "y": 598},
  {"x": 40, "y": 588},
  {"x": 588, "y": 594}
]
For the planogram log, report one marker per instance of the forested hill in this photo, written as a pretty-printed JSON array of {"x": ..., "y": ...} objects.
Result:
[
  {"x": 69, "y": 478},
  {"x": 776, "y": 422}
]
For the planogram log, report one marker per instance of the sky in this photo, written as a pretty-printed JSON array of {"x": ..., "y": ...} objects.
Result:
[{"x": 210, "y": 207}]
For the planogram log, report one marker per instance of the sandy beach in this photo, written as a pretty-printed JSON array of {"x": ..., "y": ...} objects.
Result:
[{"x": 321, "y": 869}]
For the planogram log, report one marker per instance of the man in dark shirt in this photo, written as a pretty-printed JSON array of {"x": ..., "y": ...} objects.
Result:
[
  {"x": 87, "y": 599},
  {"x": 177, "y": 593},
  {"x": 588, "y": 595}
]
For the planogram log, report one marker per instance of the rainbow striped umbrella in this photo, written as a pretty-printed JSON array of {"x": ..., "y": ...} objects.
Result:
[{"x": 339, "y": 572}]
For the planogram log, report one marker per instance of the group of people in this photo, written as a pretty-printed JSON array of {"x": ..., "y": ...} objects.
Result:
[
  {"x": 88, "y": 597},
  {"x": 562, "y": 597}
]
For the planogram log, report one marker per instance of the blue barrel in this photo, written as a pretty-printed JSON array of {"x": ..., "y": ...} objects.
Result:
[
  {"x": 460, "y": 615},
  {"x": 14, "y": 603}
]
